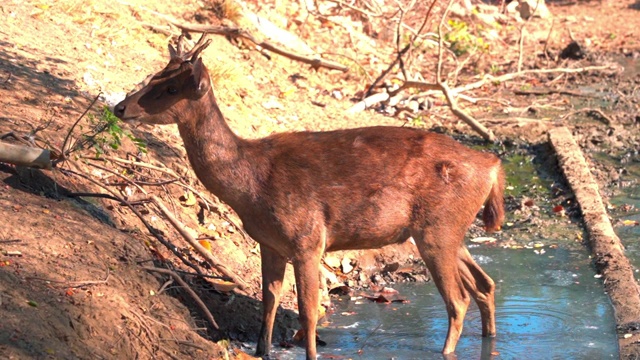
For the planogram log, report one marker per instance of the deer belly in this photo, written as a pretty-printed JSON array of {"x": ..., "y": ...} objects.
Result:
[{"x": 371, "y": 236}]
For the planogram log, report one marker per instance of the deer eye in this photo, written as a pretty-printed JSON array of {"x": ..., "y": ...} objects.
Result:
[{"x": 172, "y": 90}]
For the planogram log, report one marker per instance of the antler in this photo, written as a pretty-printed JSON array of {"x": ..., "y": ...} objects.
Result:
[{"x": 179, "y": 54}]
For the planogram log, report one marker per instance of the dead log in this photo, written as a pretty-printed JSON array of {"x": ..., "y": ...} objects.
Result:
[
  {"x": 607, "y": 250},
  {"x": 25, "y": 156}
]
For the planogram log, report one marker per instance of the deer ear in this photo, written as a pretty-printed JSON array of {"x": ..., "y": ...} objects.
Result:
[
  {"x": 173, "y": 54},
  {"x": 201, "y": 77}
]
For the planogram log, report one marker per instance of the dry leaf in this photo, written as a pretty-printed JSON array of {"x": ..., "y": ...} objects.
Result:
[
  {"x": 188, "y": 199},
  {"x": 332, "y": 261},
  {"x": 221, "y": 285},
  {"x": 205, "y": 244},
  {"x": 241, "y": 355}
]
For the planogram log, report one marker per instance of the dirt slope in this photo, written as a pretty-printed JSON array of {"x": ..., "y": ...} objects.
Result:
[{"x": 71, "y": 283}]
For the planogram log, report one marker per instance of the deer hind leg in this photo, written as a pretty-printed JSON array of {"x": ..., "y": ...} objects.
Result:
[
  {"x": 273, "y": 268},
  {"x": 482, "y": 289},
  {"x": 439, "y": 250}
]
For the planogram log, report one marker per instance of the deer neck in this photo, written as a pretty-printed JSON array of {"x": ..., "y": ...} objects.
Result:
[{"x": 217, "y": 154}]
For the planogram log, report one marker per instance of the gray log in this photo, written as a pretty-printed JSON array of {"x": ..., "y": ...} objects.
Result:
[{"x": 25, "y": 156}]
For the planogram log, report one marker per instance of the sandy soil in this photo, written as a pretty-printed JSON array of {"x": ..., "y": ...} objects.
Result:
[{"x": 71, "y": 277}]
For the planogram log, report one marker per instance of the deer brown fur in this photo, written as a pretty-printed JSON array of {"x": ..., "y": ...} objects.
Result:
[{"x": 302, "y": 194}]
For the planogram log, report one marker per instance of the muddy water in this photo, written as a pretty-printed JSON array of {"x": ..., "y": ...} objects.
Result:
[
  {"x": 548, "y": 305},
  {"x": 626, "y": 224}
]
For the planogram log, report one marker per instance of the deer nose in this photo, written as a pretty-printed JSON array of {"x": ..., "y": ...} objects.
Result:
[{"x": 119, "y": 110}]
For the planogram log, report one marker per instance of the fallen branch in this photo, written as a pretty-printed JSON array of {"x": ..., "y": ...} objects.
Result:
[
  {"x": 517, "y": 120},
  {"x": 351, "y": 7},
  {"x": 134, "y": 163},
  {"x": 607, "y": 120},
  {"x": 196, "y": 245},
  {"x": 554, "y": 91},
  {"x": 522, "y": 35},
  {"x": 440, "y": 42},
  {"x": 364, "y": 342},
  {"x": 22, "y": 139},
  {"x": 236, "y": 33},
  {"x": 117, "y": 174},
  {"x": 400, "y": 52},
  {"x": 387, "y": 71},
  {"x": 487, "y": 78},
  {"x": 449, "y": 95},
  {"x": 10, "y": 241},
  {"x": 415, "y": 84},
  {"x": 475, "y": 125},
  {"x": 190, "y": 291},
  {"x": 25, "y": 156},
  {"x": 368, "y": 102}
]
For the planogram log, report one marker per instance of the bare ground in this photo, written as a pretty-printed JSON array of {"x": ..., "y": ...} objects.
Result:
[{"x": 71, "y": 282}]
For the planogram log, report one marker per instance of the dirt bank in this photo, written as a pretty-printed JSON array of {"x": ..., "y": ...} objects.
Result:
[{"x": 71, "y": 277}]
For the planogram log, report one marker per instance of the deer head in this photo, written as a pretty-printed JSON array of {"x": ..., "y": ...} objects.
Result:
[{"x": 162, "y": 100}]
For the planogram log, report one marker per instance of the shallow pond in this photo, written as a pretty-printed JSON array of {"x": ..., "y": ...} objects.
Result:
[
  {"x": 548, "y": 305},
  {"x": 627, "y": 223},
  {"x": 627, "y": 227}
]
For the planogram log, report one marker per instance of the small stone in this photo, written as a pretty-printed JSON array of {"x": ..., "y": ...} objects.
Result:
[
  {"x": 332, "y": 261},
  {"x": 346, "y": 265}
]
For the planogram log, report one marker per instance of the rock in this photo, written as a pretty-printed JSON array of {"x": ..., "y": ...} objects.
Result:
[
  {"x": 392, "y": 267},
  {"x": 346, "y": 265},
  {"x": 573, "y": 51},
  {"x": 332, "y": 261},
  {"x": 379, "y": 280},
  {"x": 363, "y": 278},
  {"x": 414, "y": 106},
  {"x": 272, "y": 103},
  {"x": 340, "y": 290},
  {"x": 329, "y": 276},
  {"x": 526, "y": 8}
]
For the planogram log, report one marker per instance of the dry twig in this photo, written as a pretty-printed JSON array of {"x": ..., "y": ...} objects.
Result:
[
  {"x": 207, "y": 203},
  {"x": 63, "y": 151},
  {"x": 190, "y": 291},
  {"x": 150, "y": 228},
  {"x": 440, "y": 42},
  {"x": 400, "y": 52},
  {"x": 196, "y": 245},
  {"x": 487, "y": 78},
  {"x": 235, "y": 33},
  {"x": 554, "y": 91},
  {"x": 607, "y": 120},
  {"x": 479, "y": 128},
  {"x": 74, "y": 284}
]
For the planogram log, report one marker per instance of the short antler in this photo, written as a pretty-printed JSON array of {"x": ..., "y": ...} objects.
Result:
[{"x": 179, "y": 53}]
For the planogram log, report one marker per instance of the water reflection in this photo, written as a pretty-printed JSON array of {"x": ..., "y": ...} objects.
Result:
[
  {"x": 548, "y": 306},
  {"x": 630, "y": 233}
]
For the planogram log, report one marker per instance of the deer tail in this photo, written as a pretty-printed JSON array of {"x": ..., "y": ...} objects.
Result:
[{"x": 493, "y": 214}]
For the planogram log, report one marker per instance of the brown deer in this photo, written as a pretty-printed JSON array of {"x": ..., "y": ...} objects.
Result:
[{"x": 302, "y": 194}]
